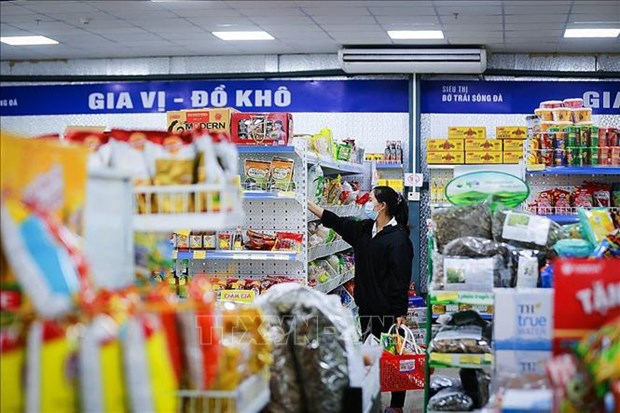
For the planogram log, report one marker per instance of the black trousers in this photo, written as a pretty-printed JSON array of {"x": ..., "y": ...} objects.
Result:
[{"x": 375, "y": 325}]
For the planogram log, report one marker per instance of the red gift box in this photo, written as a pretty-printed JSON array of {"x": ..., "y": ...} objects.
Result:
[{"x": 261, "y": 128}]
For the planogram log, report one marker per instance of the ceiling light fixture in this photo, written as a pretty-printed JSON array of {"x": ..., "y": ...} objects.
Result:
[
  {"x": 588, "y": 33},
  {"x": 251, "y": 35},
  {"x": 415, "y": 34},
  {"x": 27, "y": 40}
]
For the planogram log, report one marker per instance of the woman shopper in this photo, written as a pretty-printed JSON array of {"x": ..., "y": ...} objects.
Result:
[{"x": 383, "y": 260}]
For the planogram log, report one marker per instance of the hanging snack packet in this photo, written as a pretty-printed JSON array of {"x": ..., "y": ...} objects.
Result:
[
  {"x": 257, "y": 174},
  {"x": 12, "y": 356},
  {"x": 51, "y": 368},
  {"x": 281, "y": 174},
  {"x": 315, "y": 184},
  {"x": 322, "y": 142},
  {"x": 583, "y": 197},
  {"x": 97, "y": 143},
  {"x": 101, "y": 370},
  {"x": 128, "y": 154},
  {"x": 209, "y": 171},
  {"x": 595, "y": 224},
  {"x": 171, "y": 160},
  {"x": 43, "y": 264},
  {"x": 199, "y": 338},
  {"x": 149, "y": 374}
]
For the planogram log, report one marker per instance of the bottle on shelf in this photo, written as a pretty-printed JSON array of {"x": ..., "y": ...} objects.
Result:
[{"x": 238, "y": 240}]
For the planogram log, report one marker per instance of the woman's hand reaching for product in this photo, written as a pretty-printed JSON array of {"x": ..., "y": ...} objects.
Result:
[
  {"x": 315, "y": 209},
  {"x": 400, "y": 321}
]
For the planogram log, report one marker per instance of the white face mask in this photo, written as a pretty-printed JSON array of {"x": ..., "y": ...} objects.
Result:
[{"x": 369, "y": 210}]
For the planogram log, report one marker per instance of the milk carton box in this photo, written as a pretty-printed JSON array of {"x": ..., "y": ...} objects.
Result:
[{"x": 524, "y": 319}]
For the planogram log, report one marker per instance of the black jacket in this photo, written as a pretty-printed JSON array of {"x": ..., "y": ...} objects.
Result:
[{"x": 382, "y": 264}]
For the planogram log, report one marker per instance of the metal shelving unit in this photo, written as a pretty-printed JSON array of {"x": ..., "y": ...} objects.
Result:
[{"x": 577, "y": 170}]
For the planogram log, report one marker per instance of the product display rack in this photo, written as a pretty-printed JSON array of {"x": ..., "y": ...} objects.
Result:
[{"x": 271, "y": 210}]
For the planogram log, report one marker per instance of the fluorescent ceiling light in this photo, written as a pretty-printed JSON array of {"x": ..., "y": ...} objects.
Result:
[
  {"x": 592, "y": 33},
  {"x": 257, "y": 35},
  {"x": 415, "y": 34},
  {"x": 27, "y": 40}
]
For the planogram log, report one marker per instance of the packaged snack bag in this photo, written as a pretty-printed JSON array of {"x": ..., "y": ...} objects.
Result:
[
  {"x": 128, "y": 154},
  {"x": 281, "y": 173},
  {"x": 257, "y": 174},
  {"x": 52, "y": 368},
  {"x": 595, "y": 224},
  {"x": 200, "y": 341},
  {"x": 209, "y": 172},
  {"x": 583, "y": 197},
  {"x": 102, "y": 388},
  {"x": 12, "y": 357},
  {"x": 149, "y": 374},
  {"x": 45, "y": 258},
  {"x": 97, "y": 143},
  {"x": 288, "y": 241},
  {"x": 322, "y": 142}
]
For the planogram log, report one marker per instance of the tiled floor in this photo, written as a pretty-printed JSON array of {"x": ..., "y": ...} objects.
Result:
[{"x": 414, "y": 403}]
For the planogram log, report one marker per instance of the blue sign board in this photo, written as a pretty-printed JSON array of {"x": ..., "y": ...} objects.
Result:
[
  {"x": 244, "y": 95},
  {"x": 519, "y": 97}
]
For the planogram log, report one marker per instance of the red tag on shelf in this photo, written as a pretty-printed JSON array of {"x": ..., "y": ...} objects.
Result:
[{"x": 587, "y": 295}]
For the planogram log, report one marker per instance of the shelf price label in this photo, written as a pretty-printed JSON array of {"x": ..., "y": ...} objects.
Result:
[{"x": 200, "y": 255}]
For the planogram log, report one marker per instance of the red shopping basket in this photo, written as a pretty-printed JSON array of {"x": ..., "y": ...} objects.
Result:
[{"x": 402, "y": 372}]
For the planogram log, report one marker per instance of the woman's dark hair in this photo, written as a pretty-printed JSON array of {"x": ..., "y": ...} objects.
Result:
[{"x": 396, "y": 205}]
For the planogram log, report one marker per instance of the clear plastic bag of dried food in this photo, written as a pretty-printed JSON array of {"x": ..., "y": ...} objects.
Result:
[
  {"x": 526, "y": 265},
  {"x": 315, "y": 347},
  {"x": 466, "y": 274},
  {"x": 461, "y": 221},
  {"x": 439, "y": 382},
  {"x": 463, "y": 332},
  {"x": 525, "y": 230},
  {"x": 450, "y": 400},
  {"x": 475, "y": 247}
]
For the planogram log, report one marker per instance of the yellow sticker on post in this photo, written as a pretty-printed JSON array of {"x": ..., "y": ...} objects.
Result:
[{"x": 237, "y": 296}]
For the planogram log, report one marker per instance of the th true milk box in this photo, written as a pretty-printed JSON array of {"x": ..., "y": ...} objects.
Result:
[
  {"x": 521, "y": 362},
  {"x": 526, "y": 316}
]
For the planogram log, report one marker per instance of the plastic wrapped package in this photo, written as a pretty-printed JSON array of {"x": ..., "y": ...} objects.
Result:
[
  {"x": 461, "y": 221},
  {"x": 576, "y": 248},
  {"x": 526, "y": 265},
  {"x": 12, "y": 356},
  {"x": 198, "y": 335},
  {"x": 149, "y": 374},
  {"x": 101, "y": 371},
  {"x": 439, "y": 382},
  {"x": 450, "y": 400},
  {"x": 315, "y": 183},
  {"x": 317, "y": 353},
  {"x": 51, "y": 374},
  {"x": 474, "y": 247},
  {"x": 527, "y": 231},
  {"x": 464, "y": 332},
  {"x": 595, "y": 224}
]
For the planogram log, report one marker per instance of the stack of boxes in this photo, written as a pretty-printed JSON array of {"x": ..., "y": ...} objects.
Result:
[
  {"x": 469, "y": 145},
  {"x": 513, "y": 138}
]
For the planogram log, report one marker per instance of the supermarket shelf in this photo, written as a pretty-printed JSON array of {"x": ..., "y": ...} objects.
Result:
[
  {"x": 564, "y": 219},
  {"x": 332, "y": 166},
  {"x": 334, "y": 283},
  {"x": 213, "y": 221},
  {"x": 466, "y": 361},
  {"x": 258, "y": 195},
  {"x": 235, "y": 255},
  {"x": 324, "y": 250},
  {"x": 251, "y": 396},
  {"x": 578, "y": 170},
  {"x": 484, "y": 316},
  {"x": 351, "y": 210},
  {"x": 443, "y": 166},
  {"x": 265, "y": 149},
  {"x": 389, "y": 166}
]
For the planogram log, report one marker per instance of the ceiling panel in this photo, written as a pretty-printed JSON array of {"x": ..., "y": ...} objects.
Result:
[
  {"x": 327, "y": 11},
  {"x": 407, "y": 20},
  {"x": 465, "y": 9},
  {"x": 147, "y": 28},
  {"x": 539, "y": 8},
  {"x": 412, "y": 10}
]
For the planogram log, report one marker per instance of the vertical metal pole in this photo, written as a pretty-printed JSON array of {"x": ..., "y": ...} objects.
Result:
[{"x": 414, "y": 162}]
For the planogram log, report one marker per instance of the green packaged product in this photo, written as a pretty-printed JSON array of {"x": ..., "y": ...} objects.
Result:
[{"x": 594, "y": 158}]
